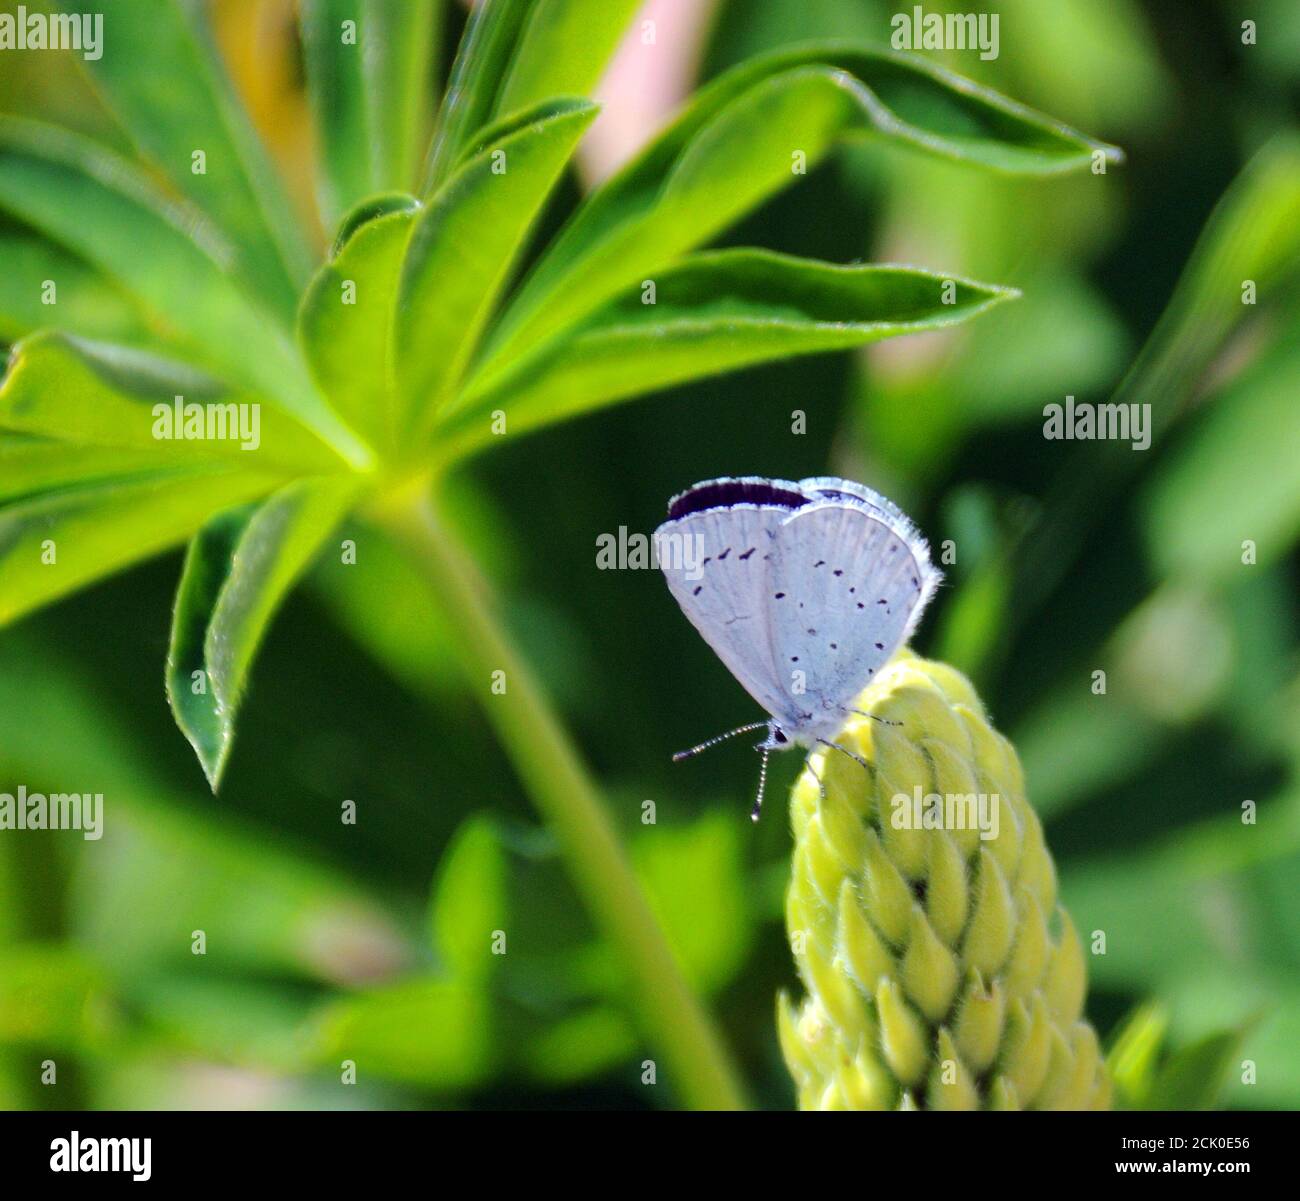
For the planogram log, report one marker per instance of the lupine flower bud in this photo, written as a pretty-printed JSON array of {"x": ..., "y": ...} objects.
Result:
[{"x": 941, "y": 973}]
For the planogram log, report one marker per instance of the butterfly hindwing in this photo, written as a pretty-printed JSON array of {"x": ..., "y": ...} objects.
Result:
[{"x": 846, "y": 588}]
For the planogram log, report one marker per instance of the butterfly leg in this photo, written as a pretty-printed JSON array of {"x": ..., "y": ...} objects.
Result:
[
  {"x": 812, "y": 771},
  {"x": 884, "y": 721},
  {"x": 845, "y": 750}
]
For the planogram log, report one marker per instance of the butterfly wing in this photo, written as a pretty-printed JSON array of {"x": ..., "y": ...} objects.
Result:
[
  {"x": 716, "y": 562},
  {"x": 851, "y": 583}
]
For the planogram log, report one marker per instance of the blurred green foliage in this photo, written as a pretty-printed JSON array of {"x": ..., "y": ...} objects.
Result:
[{"x": 328, "y": 942}]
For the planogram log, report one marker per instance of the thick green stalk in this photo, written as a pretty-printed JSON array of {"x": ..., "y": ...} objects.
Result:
[{"x": 699, "y": 1069}]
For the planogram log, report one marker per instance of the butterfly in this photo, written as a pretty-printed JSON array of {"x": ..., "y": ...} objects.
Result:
[{"x": 804, "y": 590}]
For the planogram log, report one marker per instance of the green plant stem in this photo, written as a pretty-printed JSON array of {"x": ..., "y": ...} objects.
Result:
[{"x": 699, "y": 1068}]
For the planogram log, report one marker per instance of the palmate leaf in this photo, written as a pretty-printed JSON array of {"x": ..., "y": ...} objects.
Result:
[
  {"x": 469, "y": 102},
  {"x": 563, "y": 51},
  {"x": 237, "y": 571},
  {"x": 93, "y": 394},
  {"x": 716, "y": 312},
  {"x": 465, "y": 242},
  {"x": 30, "y": 465},
  {"x": 369, "y": 88},
  {"x": 389, "y": 326},
  {"x": 54, "y": 542},
  {"x": 105, "y": 210},
  {"x": 184, "y": 103},
  {"x": 85, "y": 300},
  {"x": 516, "y": 55},
  {"x": 737, "y": 143},
  {"x": 346, "y": 319}
]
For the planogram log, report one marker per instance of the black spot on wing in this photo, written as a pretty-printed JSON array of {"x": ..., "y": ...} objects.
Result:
[{"x": 722, "y": 494}]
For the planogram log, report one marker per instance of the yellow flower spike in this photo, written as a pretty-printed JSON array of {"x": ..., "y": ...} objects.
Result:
[
  {"x": 889, "y": 899},
  {"x": 825, "y": 868},
  {"x": 899, "y": 760},
  {"x": 938, "y": 974},
  {"x": 903, "y": 1036},
  {"x": 864, "y": 1084},
  {"x": 859, "y": 947},
  {"x": 980, "y": 1020},
  {"x": 929, "y": 973},
  {"x": 1088, "y": 1075},
  {"x": 1066, "y": 979},
  {"x": 1006, "y": 846},
  {"x": 1102, "y": 1090},
  {"x": 947, "y": 897},
  {"x": 1037, "y": 872},
  {"x": 843, "y": 829},
  {"x": 993, "y": 923},
  {"x": 906, "y": 846},
  {"x": 952, "y": 774},
  {"x": 915, "y": 702},
  {"x": 804, "y": 799},
  {"x": 839, "y": 996},
  {"x": 1032, "y": 947},
  {"x": 792, "y": 1048},
  {"x": 989, "y": 752},
  {"x": 1060, "y": 1065},
  {"x": 951, "y": 1085},
  {"x": 956, "y": 688},
  {"x": 1026, "y": 1048},
  {"x": 1003, "y": 1095}
]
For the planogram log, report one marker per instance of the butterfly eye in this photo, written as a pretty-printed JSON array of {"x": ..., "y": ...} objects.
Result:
[{"x": 779, "y": 738}]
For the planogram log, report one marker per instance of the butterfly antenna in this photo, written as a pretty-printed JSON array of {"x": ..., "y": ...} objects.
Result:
[
  {"x": 704, "y": 746},
  {"x": 757, "y": 811}
]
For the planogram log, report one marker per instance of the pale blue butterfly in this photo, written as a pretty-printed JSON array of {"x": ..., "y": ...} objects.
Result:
[{"x": 804, "y": 590}]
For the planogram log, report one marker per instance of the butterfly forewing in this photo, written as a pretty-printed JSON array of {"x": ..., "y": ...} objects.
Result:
[{"x": 717, "y": 563}]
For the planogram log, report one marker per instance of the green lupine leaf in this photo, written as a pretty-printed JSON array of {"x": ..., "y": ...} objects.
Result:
[
  {"x": 1193, "y": 1077},
  {"x": 237, "y": 571},
  {"x": 346, "y": 320},
  {"x": 721, "y": 311},
  {"x": 268, "y": 910},
  {"x": 30, "y": 465},
  {"x": 369, "y": 88},
  {"x": 54, "y": 996},
  {"x": 466, "y": 242},
  {"x": 564, "y": 50},
  {"x": 736, "y": 143},
  {"x": 184, "y": 103},
  {"x": 1198, "y": 512},
  {"x": 476, "y": 76},
  {"x": 102, "y": 208},
  {"x": 84, "y": 300},
  {"x": 97, "y": 394},
  {"x": 430, "y": 1032},
  {"x": 53, "y": 543},
  {"x": 1253, "y": 235},
  {"x": 1136, "y": 1051},
  {"x": 470, "y": 900}
]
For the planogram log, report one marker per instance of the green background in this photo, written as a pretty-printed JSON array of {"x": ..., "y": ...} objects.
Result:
[{"x": 329, "y": 941}]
